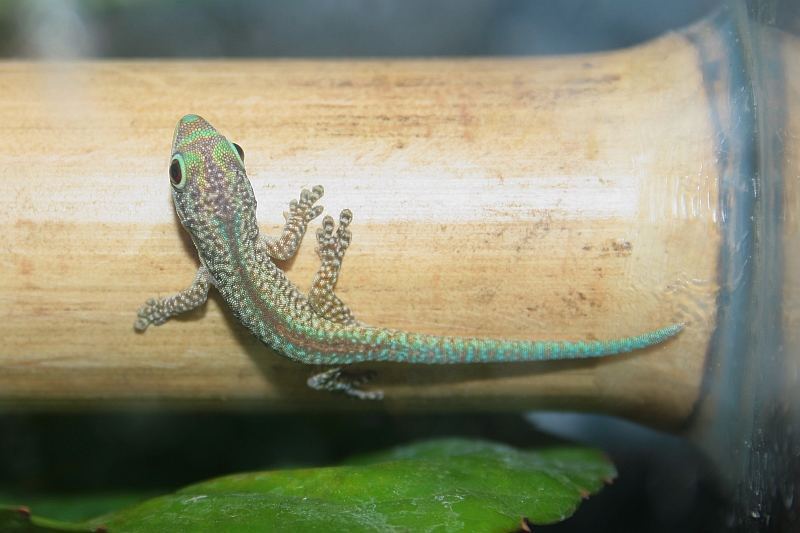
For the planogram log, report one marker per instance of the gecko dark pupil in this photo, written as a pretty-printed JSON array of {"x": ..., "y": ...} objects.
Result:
[
  {"x": 175, "y": 172},
  {"x": 239, "y": 149}
]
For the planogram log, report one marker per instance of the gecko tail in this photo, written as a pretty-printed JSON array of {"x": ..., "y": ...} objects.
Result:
[
  {"x": 402, "y": 347},
  {"x": 430, "y": 349},
  {"x": 488, "y": 350},
  {"x": 363, "y": 344},
  {"x": 580, "y": 349}
]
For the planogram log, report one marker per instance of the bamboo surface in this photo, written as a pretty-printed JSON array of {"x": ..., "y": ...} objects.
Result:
[{"x": 565, "y": 197}]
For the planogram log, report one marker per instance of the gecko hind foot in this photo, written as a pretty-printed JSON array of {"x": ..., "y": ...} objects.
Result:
[
  {"x": 332, "y": 245},
  {"x": 336, "y": 380},
  {"x": 332, "y": 241}
]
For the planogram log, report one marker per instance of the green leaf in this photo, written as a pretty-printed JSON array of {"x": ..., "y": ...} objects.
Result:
[
  {"x": 435, "y": 486},
  {"x": 75, "y": 507},
  {"x": 18, "y": 518}
]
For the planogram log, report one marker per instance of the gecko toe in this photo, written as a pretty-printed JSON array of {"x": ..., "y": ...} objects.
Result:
[{"x": 336, "y": 380}]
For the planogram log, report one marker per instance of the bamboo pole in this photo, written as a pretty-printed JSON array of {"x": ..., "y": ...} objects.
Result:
[{"x": 564, "y": 197}]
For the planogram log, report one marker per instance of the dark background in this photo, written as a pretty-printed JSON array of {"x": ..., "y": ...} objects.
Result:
[
  {"x": 664, "y": 483},
  {"x": 333, "y": 28}
]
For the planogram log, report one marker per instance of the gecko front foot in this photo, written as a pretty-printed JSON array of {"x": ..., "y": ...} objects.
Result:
[
  {"x": 149, "y": 314},
  {"x": 157, "y": 311},
  {"x": 297, "y": 218},
  {"x": 305, "y": 208},
  {"x": 336, "y": 380}
]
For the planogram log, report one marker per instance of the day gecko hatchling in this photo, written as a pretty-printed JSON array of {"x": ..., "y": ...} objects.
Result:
[{"x": 215, "y": 203}]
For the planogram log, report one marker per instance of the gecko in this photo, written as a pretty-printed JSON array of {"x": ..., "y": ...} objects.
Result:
[{"x": 216, "y": 205}]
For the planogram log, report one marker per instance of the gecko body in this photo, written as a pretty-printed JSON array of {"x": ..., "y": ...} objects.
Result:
[{"x": 216, "y": 205}]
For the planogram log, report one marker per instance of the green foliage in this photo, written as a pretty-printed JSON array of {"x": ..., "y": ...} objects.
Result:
[{"x": 444, "y": 485}]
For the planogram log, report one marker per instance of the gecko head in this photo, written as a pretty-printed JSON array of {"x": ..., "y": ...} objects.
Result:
[{"x": 210, "y": 188}]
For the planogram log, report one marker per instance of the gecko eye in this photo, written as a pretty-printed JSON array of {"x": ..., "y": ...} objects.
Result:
[
  {"x": 177, "y": 172},
  {"x": 238, "y": 150}
]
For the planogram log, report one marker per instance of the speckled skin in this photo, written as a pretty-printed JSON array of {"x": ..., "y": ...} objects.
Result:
[{"x": 215, "y": 203}]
